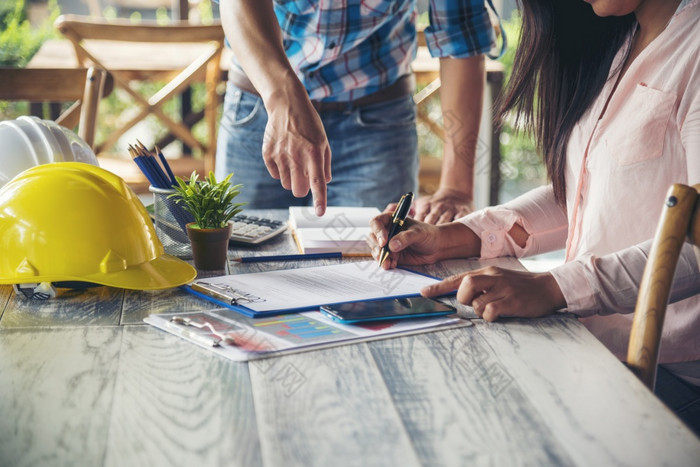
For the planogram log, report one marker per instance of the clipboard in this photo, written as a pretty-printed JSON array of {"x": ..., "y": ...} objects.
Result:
[
  {"x": 278, "y": 292},
  {"x": 239, "y": 338}
]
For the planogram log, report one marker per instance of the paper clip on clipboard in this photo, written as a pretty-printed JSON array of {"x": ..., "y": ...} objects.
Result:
[
  {"x": 176, "y": 322},
  {"x": 225, "y": 293}
]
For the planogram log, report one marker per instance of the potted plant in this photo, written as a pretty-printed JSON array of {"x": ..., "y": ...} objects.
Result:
[{"x": 212, "y": 207}]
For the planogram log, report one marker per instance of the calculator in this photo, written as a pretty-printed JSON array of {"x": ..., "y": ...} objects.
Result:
[
  {"x": 249, "y": 230},
  {"x": 252, "y": 230}
]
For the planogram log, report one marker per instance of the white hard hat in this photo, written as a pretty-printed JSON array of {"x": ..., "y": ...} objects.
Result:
[{"x": 30, "y": 141}]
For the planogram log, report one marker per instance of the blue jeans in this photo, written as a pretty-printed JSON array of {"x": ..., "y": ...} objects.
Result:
[{"x": 374, "y": 153}]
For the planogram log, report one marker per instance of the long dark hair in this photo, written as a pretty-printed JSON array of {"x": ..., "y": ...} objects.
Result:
[{"x": 562, "y": 62}]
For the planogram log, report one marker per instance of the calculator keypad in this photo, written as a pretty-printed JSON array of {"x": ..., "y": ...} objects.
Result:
[{"x": 253, "y": 229}]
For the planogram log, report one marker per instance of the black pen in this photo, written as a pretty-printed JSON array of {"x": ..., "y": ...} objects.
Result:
[{"x": 397, "y": 220}]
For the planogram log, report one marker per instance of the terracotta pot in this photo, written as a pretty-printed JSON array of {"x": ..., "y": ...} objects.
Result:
[{"x": 209, "y": 247}]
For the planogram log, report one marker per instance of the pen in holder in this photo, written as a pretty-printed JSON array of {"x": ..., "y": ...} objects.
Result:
[{"x": 170, "y": 222}]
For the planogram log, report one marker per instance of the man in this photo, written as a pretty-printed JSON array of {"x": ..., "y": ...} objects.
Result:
[{"x": 325, "y": 87}]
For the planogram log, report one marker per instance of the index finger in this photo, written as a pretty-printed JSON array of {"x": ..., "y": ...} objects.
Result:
[
  {"x": 450, "y": 284},
  {"x": 378, "y": 226},
  {"x": 317, "y": 182}
]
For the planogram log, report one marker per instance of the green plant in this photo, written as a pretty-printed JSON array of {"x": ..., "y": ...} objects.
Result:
[
  {"x": 210, "y": 202},
  {"x": 19, "y": 40}
]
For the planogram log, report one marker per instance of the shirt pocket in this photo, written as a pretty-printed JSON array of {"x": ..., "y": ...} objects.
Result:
[{"x": 645, "y": 117}]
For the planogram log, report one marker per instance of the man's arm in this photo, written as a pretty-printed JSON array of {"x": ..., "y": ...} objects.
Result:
[
  {"x": 461, "y": 96},
  {"x": 295, "y": 149}
]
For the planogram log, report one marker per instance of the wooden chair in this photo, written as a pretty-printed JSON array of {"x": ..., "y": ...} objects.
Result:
[
  {"x": 679, "y": 223},
  {"x": 117, "y": 46},
  {"x": 83, "y": 86}
]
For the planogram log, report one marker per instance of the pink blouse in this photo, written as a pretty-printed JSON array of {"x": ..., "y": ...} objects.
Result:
[{"x": 619, "y": 168}]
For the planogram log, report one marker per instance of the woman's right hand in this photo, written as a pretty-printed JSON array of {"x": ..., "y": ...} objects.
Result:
[{"x": 416, "y": 243}]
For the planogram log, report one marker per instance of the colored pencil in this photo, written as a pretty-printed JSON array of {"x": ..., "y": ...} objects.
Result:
[
  {"x": 140, "y": 163},
  {"x": 150, "y": 167},
  {"x": 152, "y": 163},
  {"x": 294, "y": 257},
  {"x": 164, "y": 161}
]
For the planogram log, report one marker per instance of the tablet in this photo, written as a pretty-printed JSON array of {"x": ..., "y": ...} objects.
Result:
[{"x": 394, "y": 308}]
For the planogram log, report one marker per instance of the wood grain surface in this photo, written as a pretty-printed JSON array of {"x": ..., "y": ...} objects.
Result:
[
  {"x": 57, "y": 387},
  {"x": 329, "y": 407},
  {"x": 97, "y": 306},
  {"x": 177, "y": 404},
  {"x": 462, "y": 405},
  {"x": 589, "y": 396}
]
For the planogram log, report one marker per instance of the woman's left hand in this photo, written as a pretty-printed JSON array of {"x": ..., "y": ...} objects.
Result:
[{"x": 494, "y": 292}]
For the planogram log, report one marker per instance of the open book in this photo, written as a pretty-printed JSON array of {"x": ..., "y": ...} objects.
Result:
[{"x": 340, "y": 229}]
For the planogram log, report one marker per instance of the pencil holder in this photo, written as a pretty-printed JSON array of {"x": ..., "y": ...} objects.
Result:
[{"x": 170, "y": 222}]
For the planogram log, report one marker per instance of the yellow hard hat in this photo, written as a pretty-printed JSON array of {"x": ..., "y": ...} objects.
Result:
[{"x": 71, "y": 221}]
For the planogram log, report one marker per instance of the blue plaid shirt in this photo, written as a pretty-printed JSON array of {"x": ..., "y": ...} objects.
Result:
[{"x": 345, "y": 49}]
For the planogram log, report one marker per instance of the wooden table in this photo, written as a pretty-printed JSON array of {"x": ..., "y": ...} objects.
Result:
[
  {"x": 84, "y": 382},
  {"x": 139, "y": 60}
]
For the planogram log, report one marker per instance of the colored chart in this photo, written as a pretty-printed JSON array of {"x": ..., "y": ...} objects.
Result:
[{"x": 298, "y": 327}]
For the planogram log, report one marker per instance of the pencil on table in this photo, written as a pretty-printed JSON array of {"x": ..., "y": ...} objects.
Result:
[{"x": 296, "y": 257}]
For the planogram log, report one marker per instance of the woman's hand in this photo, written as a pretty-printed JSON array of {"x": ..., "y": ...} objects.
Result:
[
  {"x": 421, "y": 243},
  {"x": 494, "y": 292},
  {"x": 417, "y": 243}
]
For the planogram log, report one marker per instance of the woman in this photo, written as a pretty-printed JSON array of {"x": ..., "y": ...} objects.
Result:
[{"x": 618, "y": 121}]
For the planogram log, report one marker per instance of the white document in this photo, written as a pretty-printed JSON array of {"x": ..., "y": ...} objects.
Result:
[
  {"x": 338, "y": 218},
  {"x": 349, "y": 241},
  {"x": 322, "y": 285},
  {"x": 342, "y": 229}
]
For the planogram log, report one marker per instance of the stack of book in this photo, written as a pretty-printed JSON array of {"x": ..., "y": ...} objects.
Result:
[{"x": 341, "y": 229}]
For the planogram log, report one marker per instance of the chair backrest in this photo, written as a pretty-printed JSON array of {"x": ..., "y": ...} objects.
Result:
[
  {"x": 679, "y": 223},
  {"x": 96, "y": 42},
  {"x": 84, "y": 86}
]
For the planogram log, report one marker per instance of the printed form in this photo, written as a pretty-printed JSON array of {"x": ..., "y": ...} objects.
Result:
[{"x": 312, "y": 286}]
